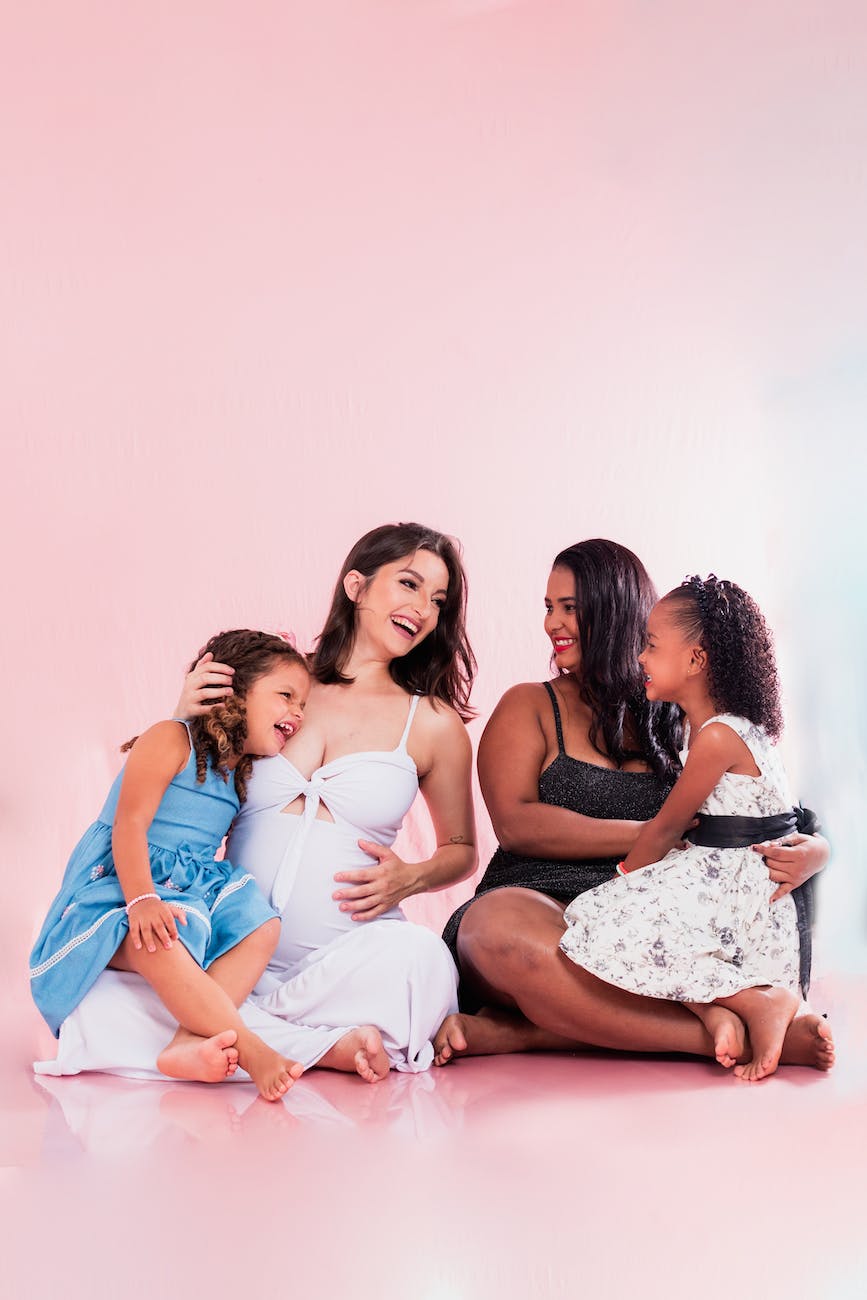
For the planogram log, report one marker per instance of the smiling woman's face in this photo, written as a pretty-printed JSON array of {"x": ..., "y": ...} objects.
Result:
[
  {"x": 561, "y": 620},
  {"x": 400, "y": 605}
]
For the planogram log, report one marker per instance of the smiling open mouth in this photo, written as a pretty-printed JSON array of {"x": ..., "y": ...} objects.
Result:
[{"x": 407, "y": 626}]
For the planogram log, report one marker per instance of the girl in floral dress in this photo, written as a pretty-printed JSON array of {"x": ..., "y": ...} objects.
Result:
[
  {"x": 704, "y": 925},
  {"x": 145, "y": 875}
]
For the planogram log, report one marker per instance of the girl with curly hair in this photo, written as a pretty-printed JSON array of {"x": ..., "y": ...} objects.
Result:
[
  {"x": 145, "y": 875},
  {"x": 700, "y": 925}
]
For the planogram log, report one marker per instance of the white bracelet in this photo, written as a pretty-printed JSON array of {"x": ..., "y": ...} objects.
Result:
[
  {"x": 618, "y": 869},
  {"x": 141, "y": 898}
]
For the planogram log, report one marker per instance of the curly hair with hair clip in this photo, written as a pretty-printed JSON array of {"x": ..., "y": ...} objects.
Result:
[
  {"x": 220, "y": 735},
  {"x": 727, "y": 623}
]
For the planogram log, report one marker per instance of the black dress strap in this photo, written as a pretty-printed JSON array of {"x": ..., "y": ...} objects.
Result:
[{"x": 557, "y": 723}]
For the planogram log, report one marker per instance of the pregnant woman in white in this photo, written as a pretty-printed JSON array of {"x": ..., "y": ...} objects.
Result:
[{"x": 352, "y": 985}]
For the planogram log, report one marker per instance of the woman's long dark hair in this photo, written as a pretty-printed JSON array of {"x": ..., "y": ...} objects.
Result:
[
  {"x": 613, "y": 598},
  {"x": 443, "y": 664}
]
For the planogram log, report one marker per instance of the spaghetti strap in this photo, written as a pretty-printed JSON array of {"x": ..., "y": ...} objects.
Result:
[
  {"x": 413, "y": 705},
  {"x": 189, "y": 732},
  {"x": 557, "y": 723}
]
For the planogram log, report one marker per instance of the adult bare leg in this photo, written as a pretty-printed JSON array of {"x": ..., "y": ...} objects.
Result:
[
  {"x": 508, "y": 948},
  {"x": 508, "y": 943}
]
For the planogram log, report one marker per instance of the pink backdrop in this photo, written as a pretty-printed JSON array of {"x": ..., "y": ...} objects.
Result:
[{"x": 276, "y": 273}]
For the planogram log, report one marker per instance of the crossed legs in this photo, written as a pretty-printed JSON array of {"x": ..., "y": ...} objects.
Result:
[{"x": 536, "y": 999}]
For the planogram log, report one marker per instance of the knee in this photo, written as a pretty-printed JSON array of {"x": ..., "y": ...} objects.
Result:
[
  {"x": 501, "y": 932},
  {"x": 417, "y": 955}
]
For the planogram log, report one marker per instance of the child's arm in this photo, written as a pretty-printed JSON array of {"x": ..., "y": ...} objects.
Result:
[
  {"x": 156, "y": 758},
  {"x": 715, "y": 750}
]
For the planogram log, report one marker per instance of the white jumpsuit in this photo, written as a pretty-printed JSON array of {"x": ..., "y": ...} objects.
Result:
[{"x": 329, "y": 973}]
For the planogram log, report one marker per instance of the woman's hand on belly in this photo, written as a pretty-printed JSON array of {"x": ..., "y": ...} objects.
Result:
[{"x": 369, "y": 891}]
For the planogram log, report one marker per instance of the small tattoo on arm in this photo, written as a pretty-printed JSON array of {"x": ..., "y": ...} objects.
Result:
[{"x": 456, "y": 839}]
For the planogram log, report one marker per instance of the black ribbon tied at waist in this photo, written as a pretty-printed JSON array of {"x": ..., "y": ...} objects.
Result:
[{"x": 740, "y": 832}]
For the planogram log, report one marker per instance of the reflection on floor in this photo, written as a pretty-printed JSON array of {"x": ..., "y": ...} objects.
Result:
[{"x": 545, "y": 1175}]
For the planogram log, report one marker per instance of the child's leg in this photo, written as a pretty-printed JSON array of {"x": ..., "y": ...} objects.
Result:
[
  {"x": 725, "y": 1028},
  {"x": 236, "y": 972},
  {"x": 199, "y": 1004},
  {"x": 767, "y": 1013},
  {"x": 239, "y": 970}
]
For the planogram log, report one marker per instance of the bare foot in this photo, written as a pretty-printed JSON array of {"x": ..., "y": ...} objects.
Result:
[
  {"x": 725, "y": 1028},
  {"x": 809, "y": 1041},
  {"x": 207, "y": 1060},
  {"x": 767, "y": 1013},
  {"x": 272, "y": 1073},
  {"x": 492, "y": 1032},
  {"x": 361, "y": 1051},
  {"x": 450, "y": 1039}
]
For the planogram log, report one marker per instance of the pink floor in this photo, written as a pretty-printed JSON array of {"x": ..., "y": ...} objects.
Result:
[{"x": 521, "y": 1176}]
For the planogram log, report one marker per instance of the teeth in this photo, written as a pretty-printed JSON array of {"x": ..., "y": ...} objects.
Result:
[
  {"x": 288, "y": 727},
  {"x": 412, "y": 628}
]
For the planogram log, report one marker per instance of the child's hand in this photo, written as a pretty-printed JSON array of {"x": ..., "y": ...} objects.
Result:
[
  {"x": 207, "y": 684},
  {"x": 152, "y": 922}
]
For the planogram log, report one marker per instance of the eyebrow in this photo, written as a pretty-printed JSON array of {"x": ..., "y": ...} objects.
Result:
[{"x": 440, "y": 591}]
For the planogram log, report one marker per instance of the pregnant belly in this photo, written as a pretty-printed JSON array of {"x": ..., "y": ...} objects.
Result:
[{"x": 312, "y": 918}]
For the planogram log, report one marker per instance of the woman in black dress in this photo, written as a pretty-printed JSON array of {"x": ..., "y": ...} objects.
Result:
[{"x": 570, "y": 769}]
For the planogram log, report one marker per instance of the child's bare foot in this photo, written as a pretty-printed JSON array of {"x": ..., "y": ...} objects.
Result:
[
  {"x": 725, "y": 1028},
  {"x": 272, "y": 1073},
  {"x": 809, "y": 1041},
  {"x": 207, "y": 1060},
  {"x": 361, "y": 1051},
  {"x": 767, "y": 1012},
  {"x": 492, "y": 1032}
]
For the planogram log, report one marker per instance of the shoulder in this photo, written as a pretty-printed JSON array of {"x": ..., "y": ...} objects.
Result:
[
  {"x": 721, "y": 735},
  {"x": 169, "y": 738},
  {"x": 439, "y": 721},
  {"x": 527, "y": 698},
  {"x": 159, "y": 755}
]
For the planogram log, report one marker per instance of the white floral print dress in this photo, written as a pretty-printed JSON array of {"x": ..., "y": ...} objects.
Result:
[{"x": 698, "y": 925}]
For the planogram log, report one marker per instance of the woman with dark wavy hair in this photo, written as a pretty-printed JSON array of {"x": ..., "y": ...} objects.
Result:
[
  {"x": 385, "y": 718},
  {"x": 571, "y": 769}
]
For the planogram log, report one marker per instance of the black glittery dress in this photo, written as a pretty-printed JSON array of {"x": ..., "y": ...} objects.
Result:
[{"x": 584, "y": 788}]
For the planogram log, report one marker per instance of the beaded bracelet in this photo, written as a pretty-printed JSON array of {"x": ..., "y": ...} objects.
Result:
[
  {"x": 140, "y": 899},
  {"x": 620, "y": 871}
]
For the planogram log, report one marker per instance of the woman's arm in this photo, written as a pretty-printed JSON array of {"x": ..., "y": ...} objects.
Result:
[
  {"x": 447, "y": 791},
  {"x": 512, "y": 753},
  {"x": 714, "y": 751},
  {"x": 156, "y": 758}
]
